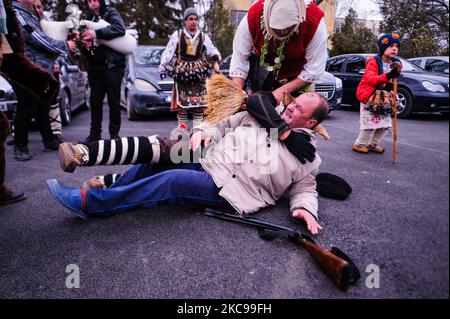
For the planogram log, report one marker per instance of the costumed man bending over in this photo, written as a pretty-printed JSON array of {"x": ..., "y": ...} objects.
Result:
[
  {"x": 243, "y": 168},
  {"x": 185, "y": 60},
  {"x": 281, "y": 46}
]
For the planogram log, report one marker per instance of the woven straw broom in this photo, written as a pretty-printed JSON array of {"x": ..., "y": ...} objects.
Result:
[{"x": 223, "y": 97}]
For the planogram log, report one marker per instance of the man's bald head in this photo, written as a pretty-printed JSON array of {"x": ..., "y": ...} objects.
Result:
[{"x": 306, "y": 111}]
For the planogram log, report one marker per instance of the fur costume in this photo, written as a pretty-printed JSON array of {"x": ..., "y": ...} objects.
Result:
[{"x": 19, "y": 69}]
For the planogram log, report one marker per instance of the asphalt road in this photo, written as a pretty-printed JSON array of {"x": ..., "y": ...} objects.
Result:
[{"x": 397, "y": 218}]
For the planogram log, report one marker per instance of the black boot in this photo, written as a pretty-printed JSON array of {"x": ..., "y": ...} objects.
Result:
[
  {"x": 91, "y": 138},
  {"x": 21, "y": 153},
  {"x": 51, "y": 145}
]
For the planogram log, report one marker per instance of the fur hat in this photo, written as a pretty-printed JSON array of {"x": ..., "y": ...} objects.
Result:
[
  {"x": 190, "y": 12},
  {"x": 386, "y": 40},
  {"x": 332, "y": 186}
]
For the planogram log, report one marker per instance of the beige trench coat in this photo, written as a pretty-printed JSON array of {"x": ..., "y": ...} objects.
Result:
[{"x": 253, "y": 170}]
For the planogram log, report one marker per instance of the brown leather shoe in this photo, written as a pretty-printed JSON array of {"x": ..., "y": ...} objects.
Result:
[
  {"x": 71, "y": 156},
  {"x": 376, "y": 149},
  {"x": 360, "y": 148},
  {"x": 95, "y": 182}
]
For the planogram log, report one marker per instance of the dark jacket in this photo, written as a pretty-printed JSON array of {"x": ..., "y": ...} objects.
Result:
[
  {"x": 103, "y": 55},
  {"x": 40, "y": 48}
]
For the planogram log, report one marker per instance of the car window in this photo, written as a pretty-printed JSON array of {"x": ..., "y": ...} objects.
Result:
[
  {"x": 416, "y": 61},
  {"x": 145, "y": 56},
  {"x": 355, "y": 64},
  {"x": 435, "y": 65},
  {"x": 409, "y": 66},
  {"x": 335, "y": 65}
]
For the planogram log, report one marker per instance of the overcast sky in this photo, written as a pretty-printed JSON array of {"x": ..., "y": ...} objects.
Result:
[{"x": 366, "y": 9}]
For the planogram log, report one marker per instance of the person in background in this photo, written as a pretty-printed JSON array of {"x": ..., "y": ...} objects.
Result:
[
  {"x": 106, "y": 69},
  {"x": 185, "y": 60},
  {"x": 378, "y": 76},
  {"x": 43, "y": 51},
  {"x": 7, "y": 196}
]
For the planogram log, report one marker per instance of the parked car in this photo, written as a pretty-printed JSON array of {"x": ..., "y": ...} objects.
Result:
[
  {"x": 328, "y": 85},
  {"x": 418, "y": 90},
  {"x": 74, "y": 91},
  {"x": 8, "y": 100},
  {"x": 437, "y": 64},
  {"x": 143, "y": 92}
]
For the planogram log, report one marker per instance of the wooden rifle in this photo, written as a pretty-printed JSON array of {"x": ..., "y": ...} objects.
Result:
[{"x": 334, "y": 263}]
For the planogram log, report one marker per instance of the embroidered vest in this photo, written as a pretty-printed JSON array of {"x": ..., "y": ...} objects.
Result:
[{"x": 296, "y": 47}]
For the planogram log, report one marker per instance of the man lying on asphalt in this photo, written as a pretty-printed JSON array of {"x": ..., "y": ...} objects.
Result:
[{"x": 242, "y": 168}]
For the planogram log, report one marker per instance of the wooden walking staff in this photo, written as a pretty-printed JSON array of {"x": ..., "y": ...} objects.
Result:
[
  {"x": 394, "y": 102},
  {"x": 395, "y": 121}
]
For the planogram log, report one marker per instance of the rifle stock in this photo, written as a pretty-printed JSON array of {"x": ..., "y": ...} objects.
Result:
[{"x": 334, "y": 267}]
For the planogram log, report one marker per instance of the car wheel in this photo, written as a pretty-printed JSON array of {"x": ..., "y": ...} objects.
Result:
[
  {"x": 131, "y": 113},
  {"x": 404, "y": 103},
  {"x": 64, "y": 108}
]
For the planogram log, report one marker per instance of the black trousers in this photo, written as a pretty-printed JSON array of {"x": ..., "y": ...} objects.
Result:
[
  {"x": 104, "y": 81},
  {"x": 27, "y": 107}
]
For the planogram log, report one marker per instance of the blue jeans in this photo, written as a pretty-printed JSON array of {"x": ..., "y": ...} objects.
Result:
[{"x": 147, "y": 185}]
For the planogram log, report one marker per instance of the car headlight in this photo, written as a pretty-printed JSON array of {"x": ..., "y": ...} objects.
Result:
[
  {"x": 338, "y": 83},
  {"x": 433, "y": 87},
  {"x": 142, "y": 85}
]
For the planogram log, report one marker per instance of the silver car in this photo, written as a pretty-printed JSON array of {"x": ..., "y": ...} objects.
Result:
[
  {"x": 8, "y": 100},
  {"x": 438, "y": 64}
]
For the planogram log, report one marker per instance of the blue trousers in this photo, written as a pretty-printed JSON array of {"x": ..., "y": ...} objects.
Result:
[{"x": 147, "y": 185}]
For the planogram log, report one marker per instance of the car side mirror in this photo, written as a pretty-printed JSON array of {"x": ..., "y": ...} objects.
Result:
[
  {"x": 446, "y": 71},
  {"x": 72, "y": 68},
  {"x": 361, "y": 71},
  {"x": 428, "y": 68}
]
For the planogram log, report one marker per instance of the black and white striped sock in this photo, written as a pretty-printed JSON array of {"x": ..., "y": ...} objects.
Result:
[
  {"x": 110, "y": 179},
  {"x": 182, "y": 117},
  {"x": 197, "y": 117},
  {"x": 124, "y": 151}
]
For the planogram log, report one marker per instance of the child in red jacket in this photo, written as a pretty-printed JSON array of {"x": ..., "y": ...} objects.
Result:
[{"x": 378, "y": 73}]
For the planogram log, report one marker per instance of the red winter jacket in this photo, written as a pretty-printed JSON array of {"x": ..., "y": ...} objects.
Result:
[{"x": 370, "y": 81}]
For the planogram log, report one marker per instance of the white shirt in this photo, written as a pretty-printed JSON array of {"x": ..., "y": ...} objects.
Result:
[
  {"x": 169, "y": 52},
  {"x": 316, "y": 53}
]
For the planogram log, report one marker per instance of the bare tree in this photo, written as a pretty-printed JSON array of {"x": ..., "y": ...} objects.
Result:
[{"x": 342, "y": 7}]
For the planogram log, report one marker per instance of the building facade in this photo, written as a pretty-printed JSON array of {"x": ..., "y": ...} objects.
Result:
[{"x": 372, "y": 25}]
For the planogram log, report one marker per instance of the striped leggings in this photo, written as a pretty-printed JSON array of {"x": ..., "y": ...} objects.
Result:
[{"x": 126, "y": 151}]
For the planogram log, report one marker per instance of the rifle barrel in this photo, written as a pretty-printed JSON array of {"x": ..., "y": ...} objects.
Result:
[{"x": 247, "y": 220}]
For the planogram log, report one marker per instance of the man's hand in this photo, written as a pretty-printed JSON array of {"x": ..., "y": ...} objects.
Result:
[
  {"x": 72, "y": 46},
  {"x": 89, "y": 35},
  {"x": 239, "y": 81},
  {"x": 300, "y": 146},
  {"x": 196, "y": 140},
  {"x": 311, "y": 223},
  {"x": 278, "y": 94},
  {"x": 216, "y": 67}
]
